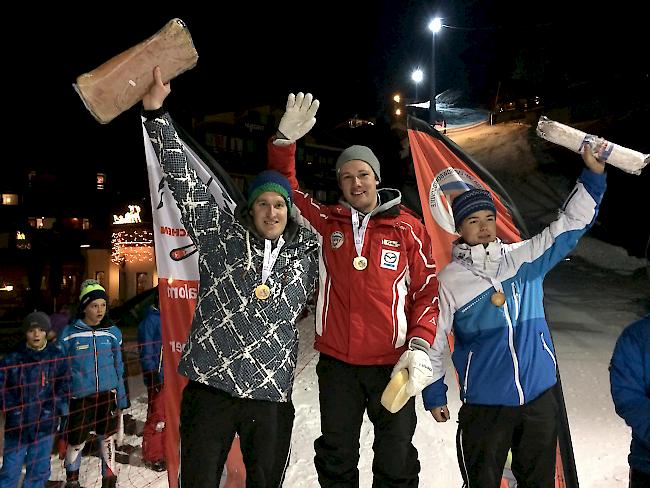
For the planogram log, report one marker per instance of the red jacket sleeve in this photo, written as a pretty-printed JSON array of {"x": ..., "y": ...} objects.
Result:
[
  {"x": 308, "y": 212},
  {"x": 423, "y": 288}
]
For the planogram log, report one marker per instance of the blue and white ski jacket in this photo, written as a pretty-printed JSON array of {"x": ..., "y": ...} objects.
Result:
[
  {"x": 629, "y": 375},
  {"x": 95, "y": 360},
  {"x": 504, "y": 355}
]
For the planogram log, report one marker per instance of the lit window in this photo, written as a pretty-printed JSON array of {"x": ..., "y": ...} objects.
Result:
[
  {"x": 9, "y": 199},
  {"x": 86, "y": 224},
  {"x": 101, "y": 180}
]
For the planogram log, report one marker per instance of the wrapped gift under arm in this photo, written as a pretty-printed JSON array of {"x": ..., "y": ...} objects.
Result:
[{"x": 626, "y": 159}]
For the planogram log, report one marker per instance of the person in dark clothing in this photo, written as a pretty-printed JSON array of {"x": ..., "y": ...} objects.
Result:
[
  {"x": 35, "y": 391},
  {"x": 150, "y": 343},
  {"x": 629, "y": 374}
]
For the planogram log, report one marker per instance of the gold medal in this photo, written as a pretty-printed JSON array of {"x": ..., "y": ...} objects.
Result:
[
  {"x": 498, "y": 299},
  {"x": 262, "y": 291},
  {"x": 360, "y": 263}
]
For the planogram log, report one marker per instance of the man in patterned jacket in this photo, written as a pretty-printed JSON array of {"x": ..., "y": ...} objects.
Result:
[
  {"x": 257, "y": 272},
  {"x": 376, "y": 311}
]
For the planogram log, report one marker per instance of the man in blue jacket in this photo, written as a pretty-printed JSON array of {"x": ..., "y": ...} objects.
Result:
[
  {"x": 629, "y": 375},
  {"x": 94, "y": 344},
  {"x": 35, "y": 390},
  {"x": 491, "y": 296}
]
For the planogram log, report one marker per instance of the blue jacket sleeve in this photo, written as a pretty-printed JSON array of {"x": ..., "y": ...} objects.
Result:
[
  {"x": 630, "y": 378},
  {"x": 435, "y": 395},
  {"x": 576, "y": 217},
  {"x": 62, "y": 383},
  {"x": 122, "y": 399}
]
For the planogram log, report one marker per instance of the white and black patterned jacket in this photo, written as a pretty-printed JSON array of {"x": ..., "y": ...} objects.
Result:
[{"x": 239, "y": 344}]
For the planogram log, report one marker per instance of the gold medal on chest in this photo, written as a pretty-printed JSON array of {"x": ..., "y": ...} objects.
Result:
[
  {"x": 360, "y": 263},
  {"x": 262, "y": 291},
  {"x": 498, "y": 299}
]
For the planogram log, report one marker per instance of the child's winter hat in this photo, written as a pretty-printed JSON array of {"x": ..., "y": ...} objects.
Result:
[
  {"x": 91, "y": 290},
  {"x": 469, "y": 202},
  {"x": 37, "y": 319},
  {"x": 270, "y": 181},
  {"x": 362, "y": 153}
]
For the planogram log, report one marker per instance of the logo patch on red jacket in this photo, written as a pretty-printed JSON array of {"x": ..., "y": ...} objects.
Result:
[
  {"x": 388, "y": 242},
  {"x": 337, "y": 239},
  {"x": 389, "y": 259}
]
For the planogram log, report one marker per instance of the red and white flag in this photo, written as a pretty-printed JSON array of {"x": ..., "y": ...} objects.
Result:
[
  {"x": 178, "y": 277},
  {"x": 443, "y": 171}
]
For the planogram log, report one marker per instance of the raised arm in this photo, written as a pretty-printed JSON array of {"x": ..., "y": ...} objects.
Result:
[
  {"x": 576, "y": 217},
  {"x": 298, "y": 119},
  {"x": 199, "y": 211}
]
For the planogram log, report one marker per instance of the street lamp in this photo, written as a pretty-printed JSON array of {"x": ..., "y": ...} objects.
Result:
[
  {"x": 417, "y": 76},
  {"x": 434, "y": 26}
]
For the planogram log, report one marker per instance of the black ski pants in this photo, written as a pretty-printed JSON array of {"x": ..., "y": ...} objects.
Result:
[
  {"x": 346, "y": 392},
  {"x": 487, "y": 432},
  {"x": 209, "y": 420}
]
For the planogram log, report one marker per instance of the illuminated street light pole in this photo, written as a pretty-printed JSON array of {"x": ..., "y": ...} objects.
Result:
[
  {"x": 417, "y": 76},
  {"x": 434, "y": 26}
]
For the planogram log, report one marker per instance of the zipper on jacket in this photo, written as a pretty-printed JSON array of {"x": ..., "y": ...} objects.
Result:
[
  {"x": 548, "y": 349},
  {"x": 487, "y": 255},
  {"x": 96, "y": 363},
  {"x": 515, "y": 299},
  {"x": 469, "y": 361},
  {"x": 513, "y": 353}
]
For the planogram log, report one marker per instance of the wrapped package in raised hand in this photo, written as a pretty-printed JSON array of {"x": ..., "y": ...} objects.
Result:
[
  {"x": 626, "y": 159},
  {"x": 123, "y": 80}
]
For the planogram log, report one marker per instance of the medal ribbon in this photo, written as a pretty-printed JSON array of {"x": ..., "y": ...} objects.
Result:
[
  {"x": 270, "y": 257},
  {"x": 359, "y": 231}
]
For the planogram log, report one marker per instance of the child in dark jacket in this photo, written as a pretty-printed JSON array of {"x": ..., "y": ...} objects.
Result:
[
  {"x": 150, "y": 342},
  {"x": 35, "y": 392},
  {"x": 93, "y": 344}
]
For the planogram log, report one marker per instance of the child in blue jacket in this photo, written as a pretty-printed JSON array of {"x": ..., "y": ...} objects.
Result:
[
  {"x": 491, "y": 297},
  {"x": 150, "y": 342},
  {"x": 35, "y": 390},
  {"x": 93, "y": 344},
  {"x": 629, "y": 375}
]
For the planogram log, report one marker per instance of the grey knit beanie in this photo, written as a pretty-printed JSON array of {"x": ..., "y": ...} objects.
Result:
[
  {"x": 38, "y": 320},
  {"x": 362, "y": 153}
]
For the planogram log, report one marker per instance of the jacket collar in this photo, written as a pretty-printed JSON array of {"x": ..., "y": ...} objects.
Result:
[{"x": 483, "y": 259}]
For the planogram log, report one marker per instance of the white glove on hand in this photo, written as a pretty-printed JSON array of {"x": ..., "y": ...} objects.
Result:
[
  {"x": 416, "y": 360},
  {"x": 298, "y": 119}
]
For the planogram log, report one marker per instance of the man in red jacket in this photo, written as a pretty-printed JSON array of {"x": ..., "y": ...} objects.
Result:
[{"x": 376, "y": 310}]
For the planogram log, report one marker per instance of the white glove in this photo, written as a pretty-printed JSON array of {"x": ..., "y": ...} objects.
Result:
[
  {"x": 298, "y": 119},
  {"x": 416, "y": 360}
]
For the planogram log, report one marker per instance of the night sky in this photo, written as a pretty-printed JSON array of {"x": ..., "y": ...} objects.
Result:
[{"x": 353, "y": 55}]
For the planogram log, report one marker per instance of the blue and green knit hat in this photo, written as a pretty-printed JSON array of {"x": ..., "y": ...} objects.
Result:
[
  {"x": 91, "y": 290},
  {"x": 270, "y": 181}
]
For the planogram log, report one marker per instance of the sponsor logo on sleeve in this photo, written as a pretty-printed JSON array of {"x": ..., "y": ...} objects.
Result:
[{"x": 337, "y": 239}]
